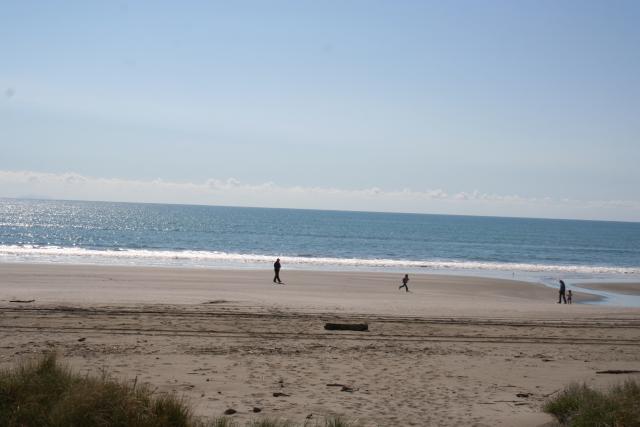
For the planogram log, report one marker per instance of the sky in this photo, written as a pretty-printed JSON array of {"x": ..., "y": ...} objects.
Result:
[{"x": 527, "y": 108}]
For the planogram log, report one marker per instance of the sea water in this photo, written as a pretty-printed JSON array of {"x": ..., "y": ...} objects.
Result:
[{"x": 47, "y": 231}]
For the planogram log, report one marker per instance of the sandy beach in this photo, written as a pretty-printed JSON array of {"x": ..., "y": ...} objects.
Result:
[{"x": 453, "y": 351}]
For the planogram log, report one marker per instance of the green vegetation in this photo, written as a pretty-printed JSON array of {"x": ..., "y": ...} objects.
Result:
[
  {"x": 582, "y": 406},
  {"x": 338, "y": 422},
  {"x": 43, "y": 393}
]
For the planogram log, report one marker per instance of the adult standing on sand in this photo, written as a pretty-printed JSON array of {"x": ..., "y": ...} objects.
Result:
[
  {"x": 405, "y": 280},
  {"x": 561, "y": 296},
  {"x": 276, "y": 268}
]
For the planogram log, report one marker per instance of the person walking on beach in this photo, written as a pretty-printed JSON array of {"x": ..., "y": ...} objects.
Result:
[
  {"x": 405, "y": 280},
  {"x": 276, "y": 268},
  {"x": 561, "y": 296},
  {"x": 569, "y": 297}
]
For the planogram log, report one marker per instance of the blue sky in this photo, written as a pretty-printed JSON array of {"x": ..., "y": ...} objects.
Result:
[{"x": 536, "y": 103}]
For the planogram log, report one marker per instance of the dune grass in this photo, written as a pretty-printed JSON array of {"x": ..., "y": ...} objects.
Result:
[
  {"x": 44, "y": 393},
  {"x": 582, "y": 406}
]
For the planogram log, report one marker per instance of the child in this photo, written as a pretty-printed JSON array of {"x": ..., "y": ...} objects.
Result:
[
  {"x": 569, "y": 295},
  {"x": 405, "y": 280}
]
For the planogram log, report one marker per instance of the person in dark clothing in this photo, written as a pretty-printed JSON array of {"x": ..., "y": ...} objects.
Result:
[
  {"x": 561, "y": 296},
  {"x": 405, "y": 280},
  {"x": 276, "y": 268}
]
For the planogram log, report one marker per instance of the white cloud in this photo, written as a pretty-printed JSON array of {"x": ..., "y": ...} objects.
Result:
[{"x": 231, "y": 191}]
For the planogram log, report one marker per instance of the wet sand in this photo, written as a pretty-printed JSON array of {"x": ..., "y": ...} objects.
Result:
[
  {"x": 453, "y": 351},
  {"x": 620, "y": 288}
]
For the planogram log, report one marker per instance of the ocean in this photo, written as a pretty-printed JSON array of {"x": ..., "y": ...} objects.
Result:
[{"x": 47, "y": 231}]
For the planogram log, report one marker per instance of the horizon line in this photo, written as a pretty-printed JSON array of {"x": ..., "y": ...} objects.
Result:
[{"x": 52, "y": 199}]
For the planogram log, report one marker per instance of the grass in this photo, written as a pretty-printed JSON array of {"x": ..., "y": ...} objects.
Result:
[
  {"x": 43, "y": 393},
  {"x": 582, "y": 406}
]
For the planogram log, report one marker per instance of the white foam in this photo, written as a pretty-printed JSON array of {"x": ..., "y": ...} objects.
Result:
[{"x": 58, "y": 254}]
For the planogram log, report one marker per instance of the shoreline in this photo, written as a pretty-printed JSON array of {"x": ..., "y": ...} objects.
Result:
[
  {"x": 623, "y": 288},
  {"x": 533, "y": 275},
  {"x": 228, "y": 260}
]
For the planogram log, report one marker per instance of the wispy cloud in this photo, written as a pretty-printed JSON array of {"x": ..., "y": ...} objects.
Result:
[{"x": 231, "y": 191}]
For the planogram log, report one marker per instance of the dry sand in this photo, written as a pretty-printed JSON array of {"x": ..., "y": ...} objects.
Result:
[{"x": 453, "y": 351}]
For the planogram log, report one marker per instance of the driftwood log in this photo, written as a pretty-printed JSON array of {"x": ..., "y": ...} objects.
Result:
[{"x": 346, "y": 326}]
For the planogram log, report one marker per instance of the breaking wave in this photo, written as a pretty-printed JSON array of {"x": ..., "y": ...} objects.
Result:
[{"x": 193, "y": 258}]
